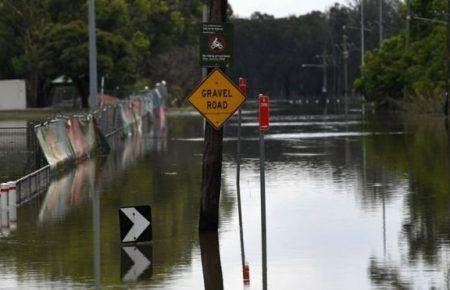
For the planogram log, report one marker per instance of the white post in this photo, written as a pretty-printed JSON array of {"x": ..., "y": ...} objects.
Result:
[
  {"x": 102, "y": 92},
  {"x": 12, "y": 197},
  {"x": 4, "y": 196},
  {"x": 4, "y": 187}
]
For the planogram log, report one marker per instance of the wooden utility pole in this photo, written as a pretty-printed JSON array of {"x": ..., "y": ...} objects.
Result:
[{"x": 212, "y": 154}]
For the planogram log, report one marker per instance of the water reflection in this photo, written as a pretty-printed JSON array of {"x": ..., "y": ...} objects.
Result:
[
  {"x": 136, "y": 263},
  {"x": 96, "y": 237},
  {"x": 344, "y": 211},
  {"x": 212, "y": 268},
  {"x": 386, "y": 276},
  {"x": 69, "y": 191},
  {"x": 424, "y": 233}
]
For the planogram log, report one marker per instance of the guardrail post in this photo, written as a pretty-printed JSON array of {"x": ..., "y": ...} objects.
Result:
[
  {"x": 4, "y": 187},
  {"x": 12, "y": 200},
  {"x": 4, "y": 196}
]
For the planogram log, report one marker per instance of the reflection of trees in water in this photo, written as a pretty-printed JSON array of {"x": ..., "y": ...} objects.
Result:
[
  {"x": 428, "y": 226},
  {"x": 386, "y": 276},
  {"x": 422, "y": 154},
  {"x": 378, "y": 183}
]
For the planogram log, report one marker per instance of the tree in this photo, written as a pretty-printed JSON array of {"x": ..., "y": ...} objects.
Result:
[
  {"x": 22, "y": 24},
  {"x": 43, "y": 39},
  {"x": 66, "y": 52}
]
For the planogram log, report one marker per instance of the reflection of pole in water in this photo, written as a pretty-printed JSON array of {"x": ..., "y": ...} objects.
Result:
[
  {"x": 447, "y": 141},
  {"x": 383, "y": 191},
  {"x": 238, "y": 189},
  {"x": 363, "y": 145},
  {"x": 263, "y": 210},
  {"x": 383, "y": 203},
  {"x": 212, "y": 269},
  {"x": 96, "y": 237},
  {"x": 384, "y": 222}
]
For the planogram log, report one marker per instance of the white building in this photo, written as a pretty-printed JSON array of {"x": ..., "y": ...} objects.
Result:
[{"x": 13, "y": 95}]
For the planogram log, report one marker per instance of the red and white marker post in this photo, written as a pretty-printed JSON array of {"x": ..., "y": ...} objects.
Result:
[
  {"x": 12, "y": 205},
  {"x": 245, "y": 267},
  {"x": 263, "y": 113},
  {"x": 263, "y": 127},
  {"x": 4, "y": 188}
]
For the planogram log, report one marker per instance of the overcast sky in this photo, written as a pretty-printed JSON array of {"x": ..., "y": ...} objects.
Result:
[{"x": 279, "y": 8}]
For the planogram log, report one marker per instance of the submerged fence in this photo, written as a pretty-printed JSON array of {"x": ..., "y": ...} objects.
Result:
[{"x": 66, "y": 140}]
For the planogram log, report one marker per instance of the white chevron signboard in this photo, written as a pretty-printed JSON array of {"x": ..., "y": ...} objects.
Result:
[{"x": 135, "y": 224}]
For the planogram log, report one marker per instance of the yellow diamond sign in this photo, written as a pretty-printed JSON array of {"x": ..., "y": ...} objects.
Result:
[{"x": 217, "y": 98}]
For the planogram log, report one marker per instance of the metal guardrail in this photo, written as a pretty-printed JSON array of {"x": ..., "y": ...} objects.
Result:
[
  {"x": 37, "y": 182},
  {"x": 109, "y": 122},
  {"x": 14, "y": 139},
  {"x": 32, "y": 184}
]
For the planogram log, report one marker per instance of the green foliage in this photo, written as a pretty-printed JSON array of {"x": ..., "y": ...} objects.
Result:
[
  {"x": 419, "y": 69},
  {"x": 410, "y": 79},
  {"x": 41, "y": 40},
  {"x": 381, "y": 79}
]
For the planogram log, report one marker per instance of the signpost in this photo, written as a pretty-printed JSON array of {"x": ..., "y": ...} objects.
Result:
[
  {"x": 263, "y": 113},
  {"x": 135, "y": 224},
  {"x": 213, "y": 144},
  {"x": 216, "y": 44},
  {"x": 217, "y": 98},
  {"x": 263, "y": 126}
]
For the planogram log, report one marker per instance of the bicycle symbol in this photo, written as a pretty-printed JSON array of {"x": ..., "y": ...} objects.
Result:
[{"x": 216, "y": 43}]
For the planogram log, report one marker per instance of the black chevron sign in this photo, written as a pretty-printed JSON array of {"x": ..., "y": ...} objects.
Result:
[{"x": 135, "y": 224}]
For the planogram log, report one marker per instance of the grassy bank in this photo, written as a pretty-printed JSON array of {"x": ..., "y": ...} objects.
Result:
[
  {"x": 32, "y": 114},
  {"x": 47, "y": 113}
]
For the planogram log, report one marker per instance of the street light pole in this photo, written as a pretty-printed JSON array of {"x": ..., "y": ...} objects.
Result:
[
  {"x": 93, "y": 87},
  {"x": 362, "y": 33},
  {"x": 408, "y": 23},
  {"x": 380, "y": 21},
  {"x": 345, "y": 55},
  {"x": 325, "y": 77},
  {"x": 324, "y": 71}
]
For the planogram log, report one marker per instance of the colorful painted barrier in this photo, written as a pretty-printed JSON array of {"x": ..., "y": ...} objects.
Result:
[
  {"x": 68, "y": 139},
  {"x": 54, "y": 142}
]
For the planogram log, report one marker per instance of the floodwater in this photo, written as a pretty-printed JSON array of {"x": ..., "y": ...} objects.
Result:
[{"x": 356, "y": 202}]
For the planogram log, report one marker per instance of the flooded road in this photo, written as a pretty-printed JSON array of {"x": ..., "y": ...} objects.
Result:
[{"x": 352, "y": 203}]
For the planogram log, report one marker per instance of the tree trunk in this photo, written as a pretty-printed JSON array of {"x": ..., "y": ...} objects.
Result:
[
  {"x": 33, "y": 88},
  {"x": 82, "y": 92}
]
